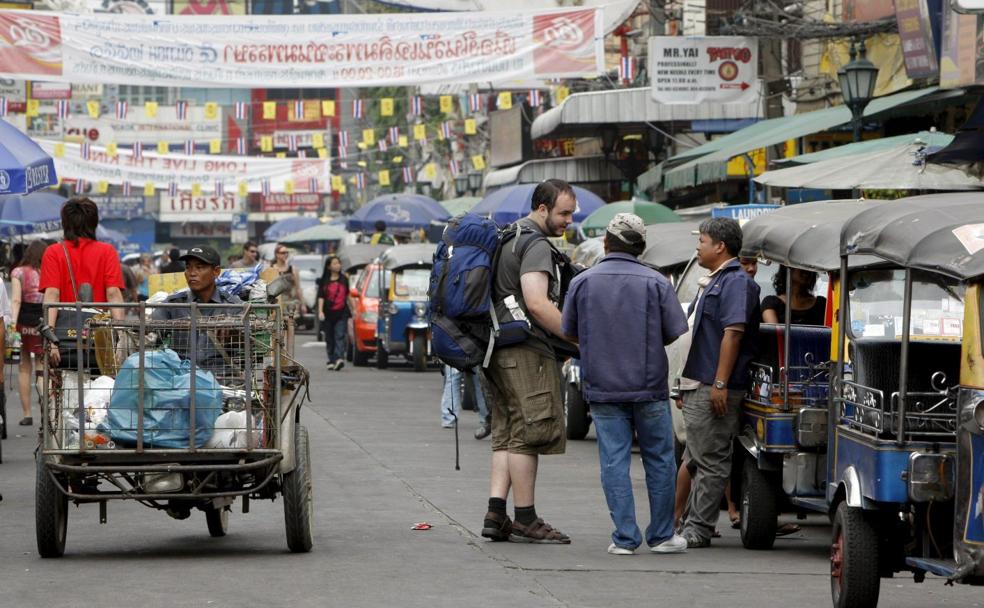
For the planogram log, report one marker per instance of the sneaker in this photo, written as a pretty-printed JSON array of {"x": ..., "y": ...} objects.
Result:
[
  {"x": 331, "y": 365},
  {"x": 26, "y": 421},
  {"x": 484, "y": 430},
  {"x": 695, "y": 541},
  {"x": 616, "y": 550},
  {"x": 674, "y": 544},
  {"x": 496, "y": 527},
  {"x": 339, "y": 364}
]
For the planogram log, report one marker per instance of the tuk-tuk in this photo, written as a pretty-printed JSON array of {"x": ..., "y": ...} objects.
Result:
[
  {"x": 403, "y": 327},
  {"x": 784, "y": 415},
  {"x": 670, "y": 247},
  {"x": 355, "y": 257},
  {"x": 906, "y": 471}
]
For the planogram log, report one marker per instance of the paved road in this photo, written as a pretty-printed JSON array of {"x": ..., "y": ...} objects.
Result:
[{"x": 382, "y": 463}]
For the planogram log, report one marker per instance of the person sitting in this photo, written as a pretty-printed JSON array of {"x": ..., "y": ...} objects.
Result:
[
  {"x": 174, "y": 262},
  {"x": 806, "y": 308},
  {"x": 380, "y": 236}
]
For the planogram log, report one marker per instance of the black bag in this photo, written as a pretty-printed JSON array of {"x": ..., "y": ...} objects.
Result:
[
  {"x": 69, "y": 324},
  {"x": 29, "y": 314}
]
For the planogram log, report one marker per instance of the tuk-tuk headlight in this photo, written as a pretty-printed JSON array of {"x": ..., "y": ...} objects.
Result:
[
  {"x": 419, "y": 309},
  {"x": 392, "y": 309},
  {"x": 979, "y": 415}
]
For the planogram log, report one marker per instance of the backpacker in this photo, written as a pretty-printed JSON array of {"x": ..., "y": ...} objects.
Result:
[{"x": 464, "y": 326}]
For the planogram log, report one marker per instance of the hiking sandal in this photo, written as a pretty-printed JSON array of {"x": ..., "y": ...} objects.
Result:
[{"x": 539, "y": 532}]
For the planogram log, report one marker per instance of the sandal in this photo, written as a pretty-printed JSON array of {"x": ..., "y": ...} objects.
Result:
[
  {"x": 496, "y": 526},
  {"x": 787, "y": 529},
  {"x": 736, "y": 522},
  {"x": 539, "y": 532}
]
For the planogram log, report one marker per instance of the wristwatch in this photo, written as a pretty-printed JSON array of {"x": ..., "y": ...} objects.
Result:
[{"x": 719, "y": 384}]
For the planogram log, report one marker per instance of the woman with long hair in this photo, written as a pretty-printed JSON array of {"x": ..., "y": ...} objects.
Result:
[
  {"x": 26, "y": 304},
  {"x": 333, "y": 310},
  {"x": 806, "y": 308}
]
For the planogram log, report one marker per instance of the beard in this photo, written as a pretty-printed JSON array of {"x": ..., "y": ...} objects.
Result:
[{"x": 555, "y": 229}]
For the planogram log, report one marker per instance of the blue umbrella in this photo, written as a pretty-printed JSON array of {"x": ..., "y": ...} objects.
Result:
[
  {"x": 506, "y": 205},
  {"x": 401, "y": 211},
  {"x": 289, "y": 226},
  {"x": 24, "y": 166},
  {"x": 113, "y": 237},
  {"x": 27, "y": 213}
]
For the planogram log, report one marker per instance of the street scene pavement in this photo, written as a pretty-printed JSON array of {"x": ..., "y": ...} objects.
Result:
[{"x": 382, "y": 463}]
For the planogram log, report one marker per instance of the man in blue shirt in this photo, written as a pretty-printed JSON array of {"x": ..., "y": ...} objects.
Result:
[
  {"x": 623, "y": 313},
  {"x": 726, "y": 318}
]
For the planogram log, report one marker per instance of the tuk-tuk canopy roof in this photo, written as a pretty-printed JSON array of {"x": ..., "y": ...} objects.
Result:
[
  {"x": 669, "y": 245},
  {"x": 417, "y": 254},
  {"x": 354, "y": 257},
  {"x": 941, "y": 233},
  {"x": 589, "y": 251},
  {"x": 804, "y": 236}
]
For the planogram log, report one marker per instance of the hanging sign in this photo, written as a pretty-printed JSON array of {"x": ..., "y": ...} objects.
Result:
[{"x": 692, "y": 70}]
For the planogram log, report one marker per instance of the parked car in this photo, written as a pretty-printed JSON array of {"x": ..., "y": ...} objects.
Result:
[
  {"x": 364, "y": 304},
  {"x": 309, "y": 268}
]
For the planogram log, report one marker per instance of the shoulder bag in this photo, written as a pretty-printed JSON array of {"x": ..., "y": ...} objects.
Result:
[{"x": 71, "y": 323}]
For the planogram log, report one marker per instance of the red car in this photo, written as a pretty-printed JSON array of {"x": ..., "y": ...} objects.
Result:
[{"x": 364, "y": 304}]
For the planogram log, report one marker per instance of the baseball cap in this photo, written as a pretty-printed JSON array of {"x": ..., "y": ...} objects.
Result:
[
  {"x": 203, "y": 253},
  {"x": 628, "y": 228}
]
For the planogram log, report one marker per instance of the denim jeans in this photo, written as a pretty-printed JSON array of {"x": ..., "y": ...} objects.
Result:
[
  {"x": 335, "y": 334},
  {"x": 614, "y": 423},
  {"x": 452, "y": 397}
]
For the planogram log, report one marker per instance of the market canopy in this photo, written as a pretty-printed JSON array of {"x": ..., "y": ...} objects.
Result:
[
  {"x": 316, "y": 234},
  {"x": 931, "y": 139},
  {"x": 651, "y": 213},
  {"x": 24, "y": 166},
  {"x": 571, "y": 169}
]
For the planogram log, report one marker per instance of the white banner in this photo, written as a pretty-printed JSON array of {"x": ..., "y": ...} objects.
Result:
[
  {"x": 692, "y": 70},
  {"x": 313, "y": 51},
  {"x": 203, "y": 170},
  {"x": 138, "y": 128},
  {"x": 205, "y": 208}
]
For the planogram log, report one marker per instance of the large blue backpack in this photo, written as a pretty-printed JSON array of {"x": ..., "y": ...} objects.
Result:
[{"x": 464, "y": 323}]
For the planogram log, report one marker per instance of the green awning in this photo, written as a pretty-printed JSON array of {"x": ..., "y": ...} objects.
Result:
[
  {"x": 933, "y": 139},
  {"x": 709, "y": 162}
]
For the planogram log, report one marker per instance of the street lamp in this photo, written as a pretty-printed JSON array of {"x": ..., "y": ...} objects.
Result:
[
  {"x": 857, "y": 82},
  {"x": 474, "y": 182},
  {"x": 461, "y": 184}
]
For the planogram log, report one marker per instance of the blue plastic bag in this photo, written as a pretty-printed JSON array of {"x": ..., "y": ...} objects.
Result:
[
  {"x": 167, "y": 401},
  {"x": 234, "y": 281}
]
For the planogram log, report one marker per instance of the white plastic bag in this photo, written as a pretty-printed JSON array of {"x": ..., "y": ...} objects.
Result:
[{"x": 230, "y": 432}]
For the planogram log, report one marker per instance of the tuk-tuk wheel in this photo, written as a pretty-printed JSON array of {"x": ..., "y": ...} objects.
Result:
[
  {"x": 382, "y": 357},
  {"x": 854, "y": 576},
  {"x": 359, "y": 358},
  {"x": 578, "y": 421},
  {"x": 299, "y": 496},
  {"x": 759, "y": 506},
  {"x": 217, "y": 520},
  {"x": 50, "y": 513},
  {"x": 420, "y": 353}
]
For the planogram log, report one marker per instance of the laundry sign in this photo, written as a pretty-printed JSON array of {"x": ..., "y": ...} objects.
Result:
[{"x": 699, "y": 69}]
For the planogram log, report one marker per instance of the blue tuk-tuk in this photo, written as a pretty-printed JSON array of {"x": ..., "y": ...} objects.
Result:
[
  {"x": 906, "y": 465},
  {"x": 403, "y": 326}
]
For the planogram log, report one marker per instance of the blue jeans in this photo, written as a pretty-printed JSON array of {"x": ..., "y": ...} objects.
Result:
[
  {"x": 614, "y": 423},
  {"x": 451, "y": 399},
  {"x": 336, "y": 331}
]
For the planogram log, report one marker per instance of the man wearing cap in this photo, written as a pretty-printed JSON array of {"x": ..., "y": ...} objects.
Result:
[{"x": 623, "y": 313}]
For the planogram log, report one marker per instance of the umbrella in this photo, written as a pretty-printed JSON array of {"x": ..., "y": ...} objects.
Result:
[
  {"x": 280, "y": 229},
  {"x": 506, "y": 205},
  {"x": 400, "y": 211},
  {"x": 316, "y": 234},
  {"x": 113, "y": 237},
  {"x": 27, "y": 213},
  {"x": 651, "y": 213},
  {"x": 900, "y": 168},
  {"x": 462, "y": 204},
  {"x": 24, "y": 166},
  {"x": 965, "y": 151}
]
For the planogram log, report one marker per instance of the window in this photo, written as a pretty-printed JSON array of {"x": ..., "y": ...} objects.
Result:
[
  {"x": 138, "y": 95},
  {"x": 876, "y": 305}
]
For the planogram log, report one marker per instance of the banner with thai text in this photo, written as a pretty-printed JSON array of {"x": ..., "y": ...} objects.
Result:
[
  {"x": 316, "y": 51},
  {"x": 186, "y": 172}
]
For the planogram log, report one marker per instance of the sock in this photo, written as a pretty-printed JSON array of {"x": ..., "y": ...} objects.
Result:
[
  {"x": 497, "y": 505},
  {"x": 526, "y": 515}
]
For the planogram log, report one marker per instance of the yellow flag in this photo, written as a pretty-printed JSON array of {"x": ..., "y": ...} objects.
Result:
[
  {"x": 420, "y": 132},
  {"x": 471, "y": 127},
  {"x": 34, "y": 107},
  {"x": 397, "y": 160},
  {"x": 328, "y": 107},
  {"x": 269, "y": 110},
  {"x": 243, "y": 188},
  {"x": 384, "y": 178},
  {"x": 478, "y": 161},
  {"x": 163, "y": 147},
  {"x": 281, "y": 155},
  {"x": 93, "y": 108},
  {"x": 361, "y": 163},
  {"x": 386, "y": 106},
  {"x": 289, "y": 186},
  {"x": 343, "y": 189},
  {"x": 369, "y": 137},
  {"x": 361, "y": 145},
  {"x": 102, "y": 187},
  {"x": 317, "y": 140},
  {"x": 215, "y": 146},
  {"x": 150, "y": 109},
  {"x": 322, "y": 152},
  {"x": 266, "y": 143},
  {"x": 561, "y": 94},
  {"x": 430, "y": 170},
  {"x": 447, "y": 104},
  {"x": 403, "y": 142},
  {"x": 59, "y": 150},
  {"x": 336, "y": 182},
  {"x": 111, "y": 149},
  {"x": 149, "y": 189},
  {"x": 211, "y": 110},
  {"x": 196, "y": 189},
  {"x": 504, "y": 101}
]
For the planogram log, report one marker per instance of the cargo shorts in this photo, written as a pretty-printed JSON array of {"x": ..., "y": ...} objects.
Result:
[{"x": 527, "y": 408}]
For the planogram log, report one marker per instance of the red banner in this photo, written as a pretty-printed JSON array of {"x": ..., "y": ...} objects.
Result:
[{"x": 302, "y": 201}]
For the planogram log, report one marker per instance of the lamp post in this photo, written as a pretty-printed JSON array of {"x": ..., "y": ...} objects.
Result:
[
  {"x": 474, "y": 182},
  {"x": 461, "y": 184},
  {"x": 857, "y": 82}
]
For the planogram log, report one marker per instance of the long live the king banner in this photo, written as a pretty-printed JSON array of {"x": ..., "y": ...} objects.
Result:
[{"x": 310, "y": 51}]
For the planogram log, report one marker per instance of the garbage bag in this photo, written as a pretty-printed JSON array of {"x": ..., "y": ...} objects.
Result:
[
  {"x": 234, "y": 281},
  {"x": 167, "y": 402},
  {"x": 231, "y": 431}
]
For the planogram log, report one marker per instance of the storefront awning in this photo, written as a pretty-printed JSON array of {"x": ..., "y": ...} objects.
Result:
[
  {"x": 580, "y": 170},
  {"x": 581, "y": 114},
  {"x": 709, "y": 162}
]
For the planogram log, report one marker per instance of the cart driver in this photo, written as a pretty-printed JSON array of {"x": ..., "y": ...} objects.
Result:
[{"x": 202, "y": 268}]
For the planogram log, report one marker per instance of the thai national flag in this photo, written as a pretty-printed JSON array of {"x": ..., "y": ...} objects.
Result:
[
  {"x": 292, "y": 142},
  {"x": 265, "y": 185},
  {"x": 64, "y": 108},
  {"x": 475, "y": 102},
  {"x": 219, "y": 188},
  {"x": 626, "y": 69},
  {"x": 313, "y": 184},
  {"x": 360, "y": 181},
  {"x": 394, "y": 135},
  {"x": 80, "y": 186},
  {"x": 172, "y": 189},
  {"x": 343, "y": 139},
  {"x": 342, "y": 152},
  {"x": 3, "y": 106},
  {"x": 122, "y": 108},
  {"x": 302, "y": 154},
  {"x": 453, "y": 167},
  {"x": 126, "y": 189},
  {"x": 417, "y": 105},
  {"x": 85, "y": 151},
  {"x": 182, "y": 109},
  {"x": 242, "y": 110},
  {"x": 189, "y": 147},
  {"x": 298, "y": 109},
  {"x": 343, "y": 164},
  {"x": 408, "y": 177},
  {"x": 357, "y": 108},
  {"x": 241, "y": 146},
  {"x": 446, "y": 129},
  {"x": 382, "y": 145},
  {"x": 138, "y": 151},
  {"x": 535, "y": 99}
]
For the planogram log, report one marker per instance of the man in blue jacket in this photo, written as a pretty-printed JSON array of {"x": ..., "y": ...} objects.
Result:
[{"x": 623, "y": 313}]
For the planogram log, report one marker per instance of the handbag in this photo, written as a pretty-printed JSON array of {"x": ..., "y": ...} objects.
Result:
[{"x": 70, "y": 324}]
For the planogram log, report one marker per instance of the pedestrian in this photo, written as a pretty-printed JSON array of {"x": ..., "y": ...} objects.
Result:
[
  {"x": 524, "y": 378},
  {"x": 283, "y": 267},
  {"x": 380, "y": 236},
  {"x": 806, "y": 308},
  {"x": 456, "y": 386},
  {"x": 333, "y": 310},
  {"x": 250, "y": 257},
  {"x": 27, "y": 298},
  {"x": 726, "y": 319},
  {"x": 174, "y": 263},
  {"x": 624, "y": 371},
  {"x": 80, "y": 268}
]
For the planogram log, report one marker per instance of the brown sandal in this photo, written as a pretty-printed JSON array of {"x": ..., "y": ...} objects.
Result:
[{"x": 539, "y": 532}]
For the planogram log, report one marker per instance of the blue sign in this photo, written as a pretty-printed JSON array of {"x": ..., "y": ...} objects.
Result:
[
  {"x": 139, "y": 232},
  {"x": 119, "y": 207},
  {"x": 240, "y": 221},
  {"x": 743, "y": 212}
]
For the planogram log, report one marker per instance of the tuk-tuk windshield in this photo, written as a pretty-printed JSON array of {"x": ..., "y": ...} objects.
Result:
[
  {"x": 876, "y": 305},
  {"x": 372, "y": 287},
  {"x": 411, "y": 284}
]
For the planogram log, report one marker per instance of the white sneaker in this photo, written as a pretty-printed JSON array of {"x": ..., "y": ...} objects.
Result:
[
  {"x": 616, "y": 550},
  {"x": 674, "y": 544}
]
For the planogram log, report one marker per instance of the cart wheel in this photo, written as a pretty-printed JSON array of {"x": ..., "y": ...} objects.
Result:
[
  {"x": 50, "y": 513},
  {"x": 299, "y": 496},
  {"x": 419, "y": 353},
  {"x": 759, "y": 507},
  {"x": 578, "y": 421},
  {"x": 217, "y": 520},
  {"x": 854, "y": 578},
  {"x": 3, "y": 412}
]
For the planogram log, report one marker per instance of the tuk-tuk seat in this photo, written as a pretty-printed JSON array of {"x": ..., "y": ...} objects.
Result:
[{"x": 809, "y": 351}]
